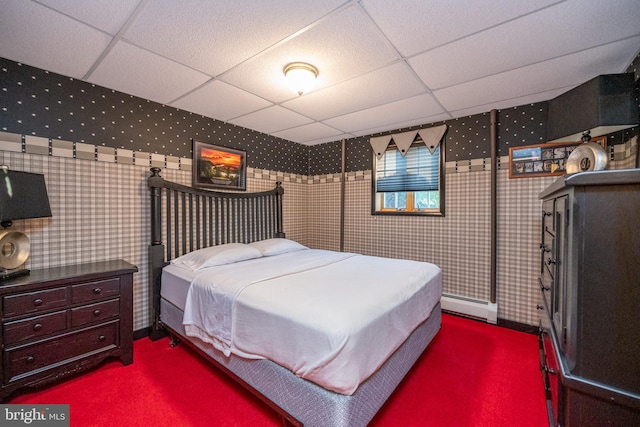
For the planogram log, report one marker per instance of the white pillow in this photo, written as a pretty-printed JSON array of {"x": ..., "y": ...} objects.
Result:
[
  {"x": 216, "y": 255},
  {"x": 277, "y": 246}
]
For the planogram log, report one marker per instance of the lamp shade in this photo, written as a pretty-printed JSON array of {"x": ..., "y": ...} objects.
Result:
[
  {"x": 602, "y": 105},
  {"x": 22, "y": 195}
]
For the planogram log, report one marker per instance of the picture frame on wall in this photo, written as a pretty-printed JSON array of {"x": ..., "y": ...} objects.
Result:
[
  {"x": 547, "y": 159},
  {"x": 217, "y": 167}
]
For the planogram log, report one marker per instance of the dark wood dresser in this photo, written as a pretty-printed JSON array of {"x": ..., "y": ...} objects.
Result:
[
  {"x": 60, "y": 321},
  {"x": 590, "y": 281}
]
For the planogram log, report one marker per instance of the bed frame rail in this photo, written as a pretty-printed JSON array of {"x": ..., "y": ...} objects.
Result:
[{"x": 184, "y": 219}]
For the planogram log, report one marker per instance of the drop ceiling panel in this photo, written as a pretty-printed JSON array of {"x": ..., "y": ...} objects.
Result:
[
  {"x": 415, "y": 29},
  {"x": 271, "y": 119},
  {"x": 311, "y": 132},
  {"x": 345, "y": 46},
  {"x": 404, "y": 124},
  {"x": 329, "y": 139},
  {"x": 549, "y": 35},
  {"x": 107, "y": 15},
  {"x": 418, "y": 107},
  {"x": 523, "y": 100},
  {"x": 156, "y": 78},
  {"x": 213, "y": 36},
  {"x": 541, "y": 77},
  {"x": 35, "y": 35},
  {"x": 224, "y": 59},
  {"x": 218, "y": 99},
  {"x": 382, "y": 86}
]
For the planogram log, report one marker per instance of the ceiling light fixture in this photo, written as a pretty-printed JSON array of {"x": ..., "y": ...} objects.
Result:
[{"x": 300, "y": 76}]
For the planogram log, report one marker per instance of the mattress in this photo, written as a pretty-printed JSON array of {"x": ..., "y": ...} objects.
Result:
[
  {"x": 329, "y": 317},
  {"x": 176, "y": 281}
]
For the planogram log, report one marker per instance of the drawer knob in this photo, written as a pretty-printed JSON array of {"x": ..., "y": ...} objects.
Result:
[
  {"x": 96, "y": 312},
  {"x": 101, "y": 338},
  {"x": 30, "y": 359},
  {"x": 97, "y": 291},
  {"x": 37, "y": 327},
  {"x": 38, "y": 302}
]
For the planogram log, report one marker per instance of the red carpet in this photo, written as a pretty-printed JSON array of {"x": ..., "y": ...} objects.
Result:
[{"x": 473, "y": 374}]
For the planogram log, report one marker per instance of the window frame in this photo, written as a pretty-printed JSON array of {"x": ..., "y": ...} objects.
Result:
[{"x": 377, "y": 198}]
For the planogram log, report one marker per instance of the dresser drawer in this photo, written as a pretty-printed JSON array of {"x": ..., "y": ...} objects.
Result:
[
  {"x": 33, "y": 327},
  {"x": 95, "y": 312},
  {"x": 21, "y": 361},
  {"x": 92, "y": 291},
  {"x": 32, "y": 302}
]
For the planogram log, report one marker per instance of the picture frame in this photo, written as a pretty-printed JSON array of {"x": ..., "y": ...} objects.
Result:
[
  {"x": 217, "y": 167},
  {"x": 543, "y": 159}
]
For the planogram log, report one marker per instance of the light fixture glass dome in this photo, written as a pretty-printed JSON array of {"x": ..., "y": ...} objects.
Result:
[{"x": 300, "y": 76}]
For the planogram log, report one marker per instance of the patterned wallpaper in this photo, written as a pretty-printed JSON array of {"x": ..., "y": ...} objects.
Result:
[
  {"x": 48, "y": 124},
  {"x": 459, "y": 242},
  {"x": 101, "y": 211},
  {"x": 467, "y": 138},
  {"x": 40, "y": 103}
]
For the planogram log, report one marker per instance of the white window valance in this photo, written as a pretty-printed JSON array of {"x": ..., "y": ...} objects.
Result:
[
  {"x": 430, "y": 136},
  {"x": 380, "y": 144},
  {"x": 404, "y": 140}
]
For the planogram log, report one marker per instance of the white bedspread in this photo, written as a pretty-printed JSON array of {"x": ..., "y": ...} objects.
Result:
[{"x": 332, "y": 318}]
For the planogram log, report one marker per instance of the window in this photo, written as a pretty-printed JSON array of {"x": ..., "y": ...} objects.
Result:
[{"x": 409, "y": 185}]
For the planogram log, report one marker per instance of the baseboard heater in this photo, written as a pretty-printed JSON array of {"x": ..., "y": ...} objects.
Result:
[{"x": 477, "y": 309}]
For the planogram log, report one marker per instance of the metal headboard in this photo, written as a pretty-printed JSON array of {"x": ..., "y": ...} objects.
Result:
[{"x": 188, "y": 219}]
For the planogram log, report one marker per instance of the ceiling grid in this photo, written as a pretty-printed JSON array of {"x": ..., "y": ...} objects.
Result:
[{"x": 382, "y": 65}]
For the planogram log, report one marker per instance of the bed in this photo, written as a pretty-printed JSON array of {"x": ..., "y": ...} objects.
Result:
[{"x": 225, "y": 280}]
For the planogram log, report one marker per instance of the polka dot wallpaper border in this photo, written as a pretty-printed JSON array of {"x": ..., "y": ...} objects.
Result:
[
  {"x": 40, "y": 103},
  {"x": 86, "y": 120}
]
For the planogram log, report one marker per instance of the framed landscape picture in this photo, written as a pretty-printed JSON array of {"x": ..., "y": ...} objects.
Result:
[
  {"x": 543, "y": 159},
  {"x": 218, "y": 167}
]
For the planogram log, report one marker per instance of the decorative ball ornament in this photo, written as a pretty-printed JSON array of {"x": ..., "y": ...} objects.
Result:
[
  {"x": 14, "y": 249},
  {"x": 588, "y": 156}
]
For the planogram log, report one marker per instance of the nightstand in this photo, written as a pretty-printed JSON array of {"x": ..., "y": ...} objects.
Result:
[{"x": 60, "y": 321}]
